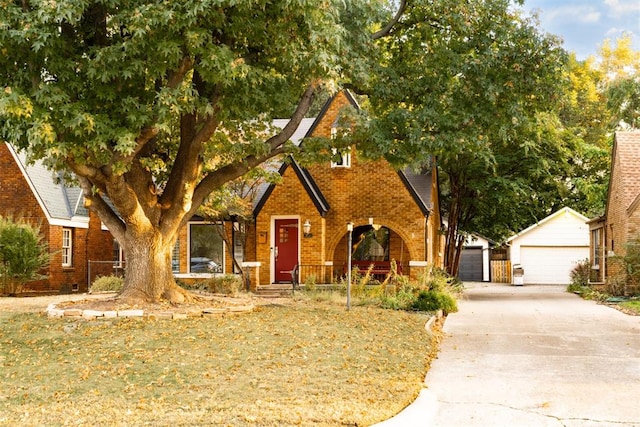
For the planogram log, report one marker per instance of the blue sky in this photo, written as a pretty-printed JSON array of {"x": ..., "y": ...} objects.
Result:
[{"x": 585, "y": 24}]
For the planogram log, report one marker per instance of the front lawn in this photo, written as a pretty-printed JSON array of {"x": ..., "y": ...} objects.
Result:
[
  {"x": 303, "y": 364},
  {"x": 632, "y": 306}
]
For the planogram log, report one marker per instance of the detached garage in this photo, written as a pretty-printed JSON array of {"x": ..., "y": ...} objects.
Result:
[
  {"x": 474, "y": 259},
  {"x": 550, "y": 249}
]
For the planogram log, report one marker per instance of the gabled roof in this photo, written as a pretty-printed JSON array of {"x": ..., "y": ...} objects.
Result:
[
  {"x": 310, "y": 186},
  {"x": 419, "y": 186},
  {"x": 417, "y": 183},
  {"x": 62, "y": 204},
  {"x": 547, "y": 219},
  {"x": 298, "y": 135}
]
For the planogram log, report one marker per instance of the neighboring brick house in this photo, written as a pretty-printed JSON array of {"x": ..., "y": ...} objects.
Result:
[
  {"x": 303, "y": 220},
  {"x": 73, "y": 235},
  {"x": 611, "y": 233}
]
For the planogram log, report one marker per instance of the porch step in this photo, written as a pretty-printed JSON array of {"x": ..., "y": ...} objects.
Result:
[{"x": 274, "y": 291}]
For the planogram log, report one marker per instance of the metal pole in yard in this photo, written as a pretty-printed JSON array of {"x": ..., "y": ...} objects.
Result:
[{"x": 350, "y": 233}]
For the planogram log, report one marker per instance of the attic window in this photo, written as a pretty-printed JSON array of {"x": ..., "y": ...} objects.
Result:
[{"x": 341, "y": 159}]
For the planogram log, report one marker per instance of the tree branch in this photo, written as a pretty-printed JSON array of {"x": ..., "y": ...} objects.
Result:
[
  {"x": 96, "y": 203},
  {"x": 296, "y": 118},
  {"x": 386, "y": 30}
]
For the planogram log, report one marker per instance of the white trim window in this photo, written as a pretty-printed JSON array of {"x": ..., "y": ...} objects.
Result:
[
  {"x": 341, "y": 159},
  {"x": 67, "y": 247},
  {"x": 206, "y": 248}
]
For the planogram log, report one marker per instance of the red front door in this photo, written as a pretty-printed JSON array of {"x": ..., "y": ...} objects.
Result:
[{"x": 286, "y": 249}]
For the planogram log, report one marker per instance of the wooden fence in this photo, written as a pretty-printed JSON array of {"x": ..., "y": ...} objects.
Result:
[{"x": 501, "y": 271}]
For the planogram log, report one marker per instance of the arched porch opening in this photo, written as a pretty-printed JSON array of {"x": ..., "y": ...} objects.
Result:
[{"x": 376, "y": 246}]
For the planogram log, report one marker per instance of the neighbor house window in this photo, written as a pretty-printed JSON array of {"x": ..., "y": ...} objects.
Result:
[
  {"x": 206, "y": 248},
  {"x": 595, "y": 237},
  {"x": 118, "y": 255},
  {"x": 67, "y": 249}
]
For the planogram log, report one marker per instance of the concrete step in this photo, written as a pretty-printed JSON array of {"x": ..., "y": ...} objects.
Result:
[{"x": 275, "y": 290}]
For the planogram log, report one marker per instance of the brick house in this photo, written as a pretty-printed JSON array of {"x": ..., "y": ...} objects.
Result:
[
  {"x": 610, "y": 233},
  {"x": 303, "y": 220},
  {"x": 73, "y": 235}
]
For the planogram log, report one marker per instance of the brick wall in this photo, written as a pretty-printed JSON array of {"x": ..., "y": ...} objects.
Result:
[
  {"x": 17, "y": 199},
  {"x": 623, "y": 212},
  {"x": 366, "y": 189}
]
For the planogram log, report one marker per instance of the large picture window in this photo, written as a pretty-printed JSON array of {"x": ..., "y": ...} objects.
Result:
[
  {"x": 67, "y": 247},
  {"x": 206, "y": 248},
  {"x": 595, "y": 256}
]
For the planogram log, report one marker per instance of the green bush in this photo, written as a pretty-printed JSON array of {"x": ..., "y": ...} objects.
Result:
[
  {"x": 229, "y": 284},
  {"x": 107, "y": 284},
  {"x": 435, "y": 300},
  {"x": 23, "y": 254}
]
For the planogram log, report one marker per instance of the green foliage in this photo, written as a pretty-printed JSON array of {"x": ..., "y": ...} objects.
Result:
[
  {"x": 633, "y": 305},
  {"x": 23, "y": 254},
  {"x": 580, "y": 283},
  {"x": 434, "y": 290},
  {"x": 159, "y": 104},
  {"x": 435, "y": 300},
  {"x": 627, "y": 281},
  {"x": 587, "y": 292},
  {"x": 228, "y": 284},
  {"x": 310, "y": 283},
  {"x": 107, "y": 284},
  {"x": 475, "y": 85}
]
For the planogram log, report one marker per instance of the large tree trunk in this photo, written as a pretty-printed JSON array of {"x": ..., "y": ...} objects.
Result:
[{"x": 149, "y": 276}]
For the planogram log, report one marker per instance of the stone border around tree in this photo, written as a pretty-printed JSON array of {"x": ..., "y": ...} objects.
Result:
[{"x": 53, "y": 311}]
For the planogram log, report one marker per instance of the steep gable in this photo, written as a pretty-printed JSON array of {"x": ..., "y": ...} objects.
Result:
[
  {"x": 61, "y": 204},
  {"x": 418, "y": 184}
]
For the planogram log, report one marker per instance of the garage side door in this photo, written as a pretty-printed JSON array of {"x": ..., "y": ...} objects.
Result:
[
  {"x": 471, "y": 265},
  {"x": 550, "y": 265}
]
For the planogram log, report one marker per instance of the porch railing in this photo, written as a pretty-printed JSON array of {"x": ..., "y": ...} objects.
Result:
[{"x": 316, "y": 274}]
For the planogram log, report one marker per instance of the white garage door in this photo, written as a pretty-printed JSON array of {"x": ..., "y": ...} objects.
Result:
[{"x": 550, "y": 265}]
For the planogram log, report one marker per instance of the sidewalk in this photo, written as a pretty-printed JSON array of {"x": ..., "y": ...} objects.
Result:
[{"x": 531, "y": 356}]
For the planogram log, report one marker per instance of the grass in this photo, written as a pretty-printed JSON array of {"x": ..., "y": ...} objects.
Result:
[
  {"x": 303, "y": 364},
  {"x": 633, "y": 305}
]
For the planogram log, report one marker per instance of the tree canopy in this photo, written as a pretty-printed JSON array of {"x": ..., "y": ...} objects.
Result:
[
  {"x": 154, "y": 105},
  {"x": 475, "y": 85}
]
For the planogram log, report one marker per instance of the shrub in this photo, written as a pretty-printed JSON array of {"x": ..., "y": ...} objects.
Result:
[
  {"x": 107, "y": 284},
  {"x": 435, "y": 300},
  {"x": 229, "y": 284},
  {"x": 22, "y": 254},
  {"x": 580, "y": 273}
]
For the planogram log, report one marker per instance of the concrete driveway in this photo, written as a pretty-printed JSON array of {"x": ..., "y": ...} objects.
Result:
[{"x": 535, "y": 356}]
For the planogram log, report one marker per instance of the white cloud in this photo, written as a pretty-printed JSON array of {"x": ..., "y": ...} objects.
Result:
[
  {"x": 583, "y": 14},
  {"x": 618, "y": 8}
]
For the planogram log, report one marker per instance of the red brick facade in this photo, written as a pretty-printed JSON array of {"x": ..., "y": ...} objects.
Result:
[{"x": 89, "y": 241}]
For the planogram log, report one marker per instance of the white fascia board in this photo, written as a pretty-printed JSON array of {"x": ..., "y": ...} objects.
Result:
[{"x": 75, "y": 222}]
